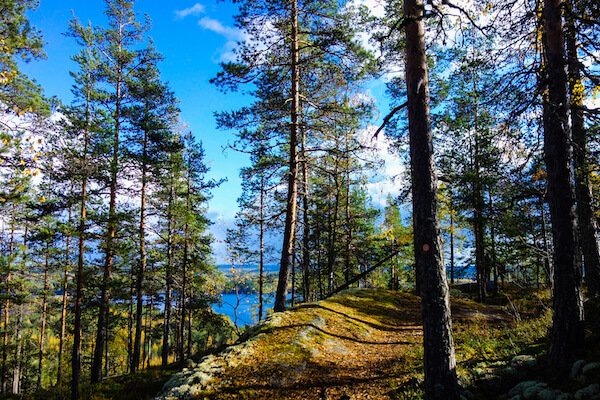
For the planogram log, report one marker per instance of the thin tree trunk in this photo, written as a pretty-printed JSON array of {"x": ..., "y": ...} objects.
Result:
[
  {"x": 65, "y": 297},
  {"x": 439, "y": 359},
  {"x": 293, "y": 299},
  {"x": 17, "y": 372},
  {"x": 333, "y": 219},
  {"x": 493, "y": 242},
  {"x": 190, "y": 324},
  {"x": 76, "y": 353},
  {"x": 139, "y": 285},
  {"x": 16, "y": 381},
  {"x": 306, "y": 290},
  {"x": 348, "y": 244},
  {"x": 5, "y": 335},
  {"x": 150, "y": 330},
  {"x": 478, "y": 204},
  {"x": 287, "y": 251},
  {"x": 451, "y": 239},
  {"x": 261, "y": 249},
  {"x": 106, "y": 344},
  {"x": 168, "y": 278},
  {"x": 130, "y": 317},
  {"x": 44, "y": 314},
  {"x": 103, "y": 310},
  {"x": 185, "y": 264},
  {"x": 548, "y": 265},
  {"x": 567, "y": 328}
]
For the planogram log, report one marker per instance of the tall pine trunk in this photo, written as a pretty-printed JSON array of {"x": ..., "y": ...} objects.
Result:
[
  {"x": 261, "y": 248},
  {"x": 7, "y": 285},
  {"x": 451, "y": 211},
  {"x": 18, "y": 361},
  {"x": 104, "y": 308},
  {"x": 588, "y": 229},
  {"x": 567, "y": 328},
  {"x": 168, "y": 276},
  {"x": 139, "y": 284},
  {"x": 65, "y": 297},
  {"x": 305, "y": 263},
  {"x": 348, "y": 214},
  {"x": 478, "y": 205},
  {"x": 185, "y": 261},
  {"x": 76, "y": 353},
  {"x": 439, "y": 360},
  {"x": 287, "y": 250},
  {"x": 44, "y": 315}
]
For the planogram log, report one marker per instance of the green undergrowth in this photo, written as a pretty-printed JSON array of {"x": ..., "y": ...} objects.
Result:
[
  {"x": 483, "y": 339},
  {"x": 491, "y": 340},
  {"x": 142, "y": 385},
  {"x": 306, "y": 343}
]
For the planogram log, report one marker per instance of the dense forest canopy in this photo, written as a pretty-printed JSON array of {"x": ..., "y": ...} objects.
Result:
[{"x": 108, "y": 265}]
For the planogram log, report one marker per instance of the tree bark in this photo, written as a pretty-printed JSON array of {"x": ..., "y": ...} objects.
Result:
[
  {"x": 65, "y": 297},
  {"x": 17, "y": 373},
  {"x": 17, "y": 370},
  {"x": 76, "y": 353},
  {"x": 439, "y": 359},
  {"x": 44, "y": 315},
  {"x": 567, "y": 328},
  {"x": 168, "y": 279},
  {"x": 306, "y": 289},
  {"x": 139, "y": 284},
  {"x": 103, "y": 309},
  {"x": 287, "y": 251},
  {"x": 588, "y": 229},
  {"x": 478, "y": 206},
  {"x": 184, "y": 269},
  {"x": 261, "y": 248},
  {"x": 451, "y": 239},
  {"x": 7, "y": 281}
]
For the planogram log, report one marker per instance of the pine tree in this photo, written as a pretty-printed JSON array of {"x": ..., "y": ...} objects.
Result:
[
  {"x": 151, "y": 116},
  {"x": 323, "y": 27},
  {"x": 19, "y": 40},
  {"x": 440, "y": 364},
  {"x": 567, "y": 328},
  {"x": 121, "y": 59},
  {"x": 83, "y": 124}
]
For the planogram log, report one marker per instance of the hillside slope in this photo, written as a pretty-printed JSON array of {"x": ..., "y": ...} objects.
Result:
[{"x": 361, "y": 343}]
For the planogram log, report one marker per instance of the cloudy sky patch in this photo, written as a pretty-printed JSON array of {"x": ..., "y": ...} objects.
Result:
[{"x": 196, "y": 9}]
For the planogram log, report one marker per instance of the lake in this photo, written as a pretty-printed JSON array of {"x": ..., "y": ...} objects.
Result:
[{"x": 244, "y": 312}]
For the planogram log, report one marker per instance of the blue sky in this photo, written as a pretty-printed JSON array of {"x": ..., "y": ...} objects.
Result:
[{"x": 193, "y": 37}]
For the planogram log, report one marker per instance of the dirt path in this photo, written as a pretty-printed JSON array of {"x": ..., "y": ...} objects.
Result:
[{"x": 361, "y": 344}]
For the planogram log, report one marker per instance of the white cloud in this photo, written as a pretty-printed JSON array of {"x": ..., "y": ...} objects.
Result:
[
  {"x": 376, "y": 7},
  {"x": 193, "y": 10},
  {"x": 217, "y": 27},
  {"x": 233, "y": 36},
  {"x": 384, "y": 181}
]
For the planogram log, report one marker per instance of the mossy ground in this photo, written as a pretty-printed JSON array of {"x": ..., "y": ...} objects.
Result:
[{"x": 367, "y": 344}]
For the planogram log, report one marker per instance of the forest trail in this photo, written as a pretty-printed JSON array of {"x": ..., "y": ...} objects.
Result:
[{"x": 360, "y": 344}]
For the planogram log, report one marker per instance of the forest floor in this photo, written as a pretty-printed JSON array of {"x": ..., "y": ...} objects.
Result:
[{"x": 365, "y": 344}]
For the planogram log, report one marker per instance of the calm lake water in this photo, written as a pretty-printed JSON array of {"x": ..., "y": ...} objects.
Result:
[{"x": 242, "y": 309}]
